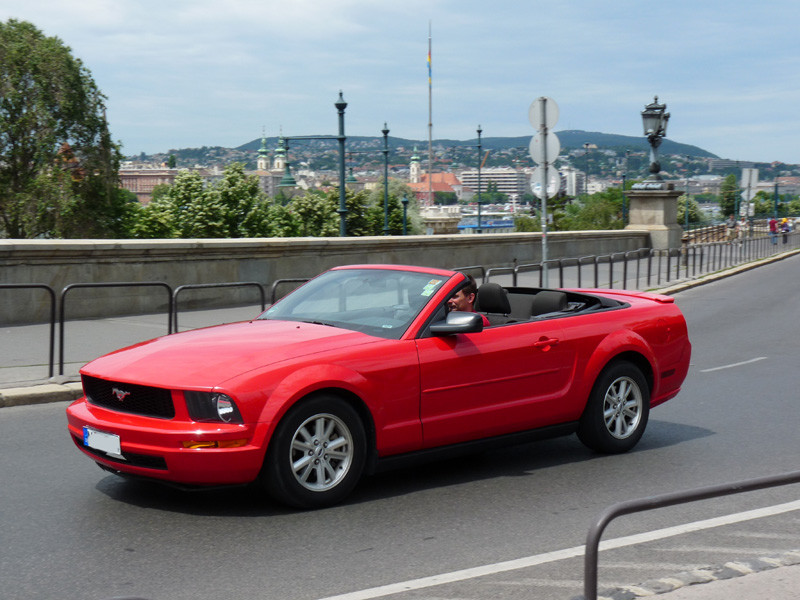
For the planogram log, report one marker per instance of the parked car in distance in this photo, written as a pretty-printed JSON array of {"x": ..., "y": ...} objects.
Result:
[{"x": 364, "y": 368}]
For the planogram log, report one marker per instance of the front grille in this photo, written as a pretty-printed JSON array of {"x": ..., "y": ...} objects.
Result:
[
  {"x": 129, "y": 397},
  {"x": 146, "y": 461}
]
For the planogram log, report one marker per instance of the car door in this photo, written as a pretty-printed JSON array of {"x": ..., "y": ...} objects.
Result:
[{"x": 500, "y": 380}]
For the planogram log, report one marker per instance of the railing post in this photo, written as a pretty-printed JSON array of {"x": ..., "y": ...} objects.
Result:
[{"x": 591, "y": 552}]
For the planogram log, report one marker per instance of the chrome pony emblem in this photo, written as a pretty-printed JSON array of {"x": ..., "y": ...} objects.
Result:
[{"x": 120, "y": 394}]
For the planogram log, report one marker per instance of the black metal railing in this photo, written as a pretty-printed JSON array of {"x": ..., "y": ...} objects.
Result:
[
  {"x": 122, "y": 284},
  {"x": 273, "y": 296},
  {"x": 646, "y": 268},
  {"x": 52, "y": 294},
  {"x": 205, "y": 286},
  {"x": 662, "y": 501}
]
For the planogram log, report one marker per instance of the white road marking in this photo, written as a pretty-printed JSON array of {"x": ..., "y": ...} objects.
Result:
[
  {"x": 548, "y": 557},
  {"x": 734, "y": 365}
]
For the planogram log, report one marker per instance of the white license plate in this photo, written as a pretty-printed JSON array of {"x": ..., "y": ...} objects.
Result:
[{"x": 100, "y": 440}]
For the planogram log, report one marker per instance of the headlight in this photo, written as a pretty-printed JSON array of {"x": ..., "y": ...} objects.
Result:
[{"x": 212, "y": 406}]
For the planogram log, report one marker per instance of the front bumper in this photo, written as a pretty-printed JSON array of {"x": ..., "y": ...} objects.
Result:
[{"x": 155, "y": 448}]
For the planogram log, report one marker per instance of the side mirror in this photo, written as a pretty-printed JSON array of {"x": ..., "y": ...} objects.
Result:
[{"x": 458, "y": 322}]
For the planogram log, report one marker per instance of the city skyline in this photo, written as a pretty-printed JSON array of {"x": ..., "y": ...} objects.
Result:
[{"x": 184, "y": 75}]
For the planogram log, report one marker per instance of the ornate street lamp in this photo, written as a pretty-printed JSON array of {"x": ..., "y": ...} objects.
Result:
[
  {"x": 385, "y": 132},
  {"x": 654, "y": 119},
  {"x": 340, "y": 105},
  {"x": 287, "y": 180}
]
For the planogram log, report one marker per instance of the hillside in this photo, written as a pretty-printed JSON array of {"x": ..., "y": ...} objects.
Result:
[{"x": 570, "y": 140}]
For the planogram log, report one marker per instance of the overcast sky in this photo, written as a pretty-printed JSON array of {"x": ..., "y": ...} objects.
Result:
[{"x": 182, "y": 74}]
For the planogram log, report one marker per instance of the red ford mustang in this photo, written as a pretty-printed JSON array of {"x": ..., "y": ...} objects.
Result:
[{"x": 363, "y": 367}]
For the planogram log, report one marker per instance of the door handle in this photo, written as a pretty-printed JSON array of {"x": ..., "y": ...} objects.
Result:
[{"x": 545, "y": 343}]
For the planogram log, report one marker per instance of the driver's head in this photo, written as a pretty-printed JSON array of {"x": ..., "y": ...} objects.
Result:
[{"x": 464, "y": 299}]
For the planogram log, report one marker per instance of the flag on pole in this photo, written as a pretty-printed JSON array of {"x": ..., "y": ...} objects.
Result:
[{"x": 429, "y": 65}]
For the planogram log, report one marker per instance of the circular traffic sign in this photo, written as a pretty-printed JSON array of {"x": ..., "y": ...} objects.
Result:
[
  {"x": 546, "y": 152},
  {"x": 553, "y": 181},
  {"x": 543, "y": 111}
]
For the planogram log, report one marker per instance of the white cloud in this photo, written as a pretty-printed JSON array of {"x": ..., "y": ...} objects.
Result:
[{"x": 212, "y": 73}]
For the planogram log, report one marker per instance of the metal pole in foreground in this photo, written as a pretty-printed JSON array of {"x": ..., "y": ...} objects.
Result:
[
  {"x": 480, "y": 226},
  {"x": 545, "y": 164}
]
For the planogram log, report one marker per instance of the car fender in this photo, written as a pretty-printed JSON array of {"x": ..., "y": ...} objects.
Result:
[
  {"x": 312, "y": 378},
  {"x": 615, "y": 344}
]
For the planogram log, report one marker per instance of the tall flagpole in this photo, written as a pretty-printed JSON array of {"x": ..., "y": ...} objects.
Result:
[{"x": 430, "y": 122}]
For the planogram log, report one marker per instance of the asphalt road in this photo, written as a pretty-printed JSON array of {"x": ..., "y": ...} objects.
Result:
[{"x": 71, "y": 530}]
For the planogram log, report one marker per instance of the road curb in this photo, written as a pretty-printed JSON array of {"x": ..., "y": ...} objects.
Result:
[
  {"x": 701, "y": 575},
  {"x": 40, "y": 394}
]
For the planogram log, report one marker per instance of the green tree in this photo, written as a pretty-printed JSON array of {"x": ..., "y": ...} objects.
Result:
[
  {"x": 728, "y": 193},
  {"x": 238, "y": 194},
  {"x": 58, "y": 166},
  {"x": 527, "y": 223},
  {"x": 232, "y": 207},
  {"x": 695, "y": 215},
  {"x": 597, "y": 211},
  {"x": 316, "y": 214}
]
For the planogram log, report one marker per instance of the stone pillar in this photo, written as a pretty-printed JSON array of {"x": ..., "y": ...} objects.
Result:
[{"x": 654, "y": 208}]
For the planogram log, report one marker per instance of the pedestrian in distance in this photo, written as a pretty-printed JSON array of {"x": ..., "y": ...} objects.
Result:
[
  {"x": 785, "y": 229},
  {"x": 773, "y": 230},
  {"x": 731, "y": 225}
]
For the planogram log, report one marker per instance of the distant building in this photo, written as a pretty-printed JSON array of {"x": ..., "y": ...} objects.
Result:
[
  {"x": 270, "y": 178},
  {"x": 505, "y": 180},
  {"x": 142, "y": 179},
  {"x": 439, "y": 182},
  {"x": 717, "y": 164}
]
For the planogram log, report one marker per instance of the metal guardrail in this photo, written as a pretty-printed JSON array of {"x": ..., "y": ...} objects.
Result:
[
  {"x": 198, "y": 286},
  {"x": 273, "y": 297},
  {"x": 72, "y": 286},
  {"x": 662, "y": 501},
  {"x": 51, "y": 292},
  {"x": 648, "y": 268}
]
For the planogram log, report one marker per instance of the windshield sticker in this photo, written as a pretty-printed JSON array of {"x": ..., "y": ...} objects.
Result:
[{"x": 430, "y": 287}]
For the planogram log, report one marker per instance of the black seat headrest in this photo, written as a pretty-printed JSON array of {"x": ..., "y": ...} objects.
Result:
[
  {"x": 492, "y": 298},
  {"x": 548, "y": 301}
]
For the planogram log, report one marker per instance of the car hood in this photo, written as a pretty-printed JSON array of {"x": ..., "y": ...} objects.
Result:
[{"x": 207, "y": 357}]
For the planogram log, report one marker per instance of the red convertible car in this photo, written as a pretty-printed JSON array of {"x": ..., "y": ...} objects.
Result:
[{"x": 364, "y": 367}]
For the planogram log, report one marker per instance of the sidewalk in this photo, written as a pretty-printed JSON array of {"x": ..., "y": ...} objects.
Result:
[
  {"x": 769, "y": 578},
  {"x": 782, "y": 583}
]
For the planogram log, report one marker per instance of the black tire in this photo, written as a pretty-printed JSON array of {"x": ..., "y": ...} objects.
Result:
[
  {"x": 616, "y": 414},
  {"x": 317, "y": 454}
]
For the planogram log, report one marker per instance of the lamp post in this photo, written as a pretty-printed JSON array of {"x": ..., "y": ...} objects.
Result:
[
  {"x": 385, "y": 132},
  {"x": 287, "y": 181},
  {"x": 480, "y": 151},
  {"x": 654, "y": 119},
  {"x": 405, "y": 214},
  {"x": 686, "y": 204},
  {"x": 624, "y": 176},
  {"x": 775, "y": 200},
  {"x": 340, "y": 105}
]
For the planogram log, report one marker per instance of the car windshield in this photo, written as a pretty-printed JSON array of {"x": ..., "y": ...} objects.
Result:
[{"x": 374, "y": 301}]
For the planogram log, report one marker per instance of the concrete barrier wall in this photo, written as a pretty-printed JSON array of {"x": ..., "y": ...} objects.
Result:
[{"x": 58, "y": 263}]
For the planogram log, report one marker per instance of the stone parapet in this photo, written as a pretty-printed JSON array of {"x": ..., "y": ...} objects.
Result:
[{"x": 58, "y": 263}]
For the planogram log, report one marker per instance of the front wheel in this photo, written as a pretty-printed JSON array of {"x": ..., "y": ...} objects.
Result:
[
  {"x": 616, "y": 414},
  {"x": 317, "y": 454}
]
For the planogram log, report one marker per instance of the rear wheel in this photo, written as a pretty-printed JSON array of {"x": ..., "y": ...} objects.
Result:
[
  {"x": 317, "y": 454},
  {"x": 616, "y": 414}
]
